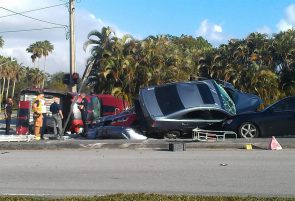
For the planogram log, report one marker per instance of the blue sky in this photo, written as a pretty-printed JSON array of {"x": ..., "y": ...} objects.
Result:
[
  {"x": 215, "y": 20},
  {"x": 237, "y": 18}
]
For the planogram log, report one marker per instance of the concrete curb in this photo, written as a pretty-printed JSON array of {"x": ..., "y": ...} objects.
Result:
[{"x": 152, "y": 144}]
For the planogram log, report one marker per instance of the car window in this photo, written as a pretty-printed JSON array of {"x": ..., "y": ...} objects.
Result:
[
  {"x": 96, "y": 107},
  {"x": 205, "y": 93},
  {"x": 108, "y": 108},
  {"x": 285, "y": 105},
  {"x": 168, "y": 99},
  {"x": 205, "y": 115},
  {"x": 189, "y": 94}
]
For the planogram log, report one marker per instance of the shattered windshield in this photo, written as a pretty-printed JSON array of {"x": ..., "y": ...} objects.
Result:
[{"x": 229, "y": 105}]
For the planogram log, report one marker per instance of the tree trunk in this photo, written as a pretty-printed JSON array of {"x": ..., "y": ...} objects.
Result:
[
  {"x": 0, "y": 89},
  {"x": 44, "y": 64},
  {"x": 2, "y": 92},
  {"x": 43, "y": 83},
  {"x": 0, "y": 96},
  {"x": 13, "y": 87},
  {"x": 8, "y": 83}
]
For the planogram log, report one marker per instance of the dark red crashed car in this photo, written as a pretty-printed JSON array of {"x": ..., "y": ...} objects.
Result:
[{"x": 127, "y": 118}]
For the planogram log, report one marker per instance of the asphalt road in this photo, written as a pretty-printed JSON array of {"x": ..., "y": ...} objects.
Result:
[{"x": 97, "y": 172}]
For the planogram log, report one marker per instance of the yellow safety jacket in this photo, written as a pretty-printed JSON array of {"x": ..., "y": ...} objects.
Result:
[{"x": 37, "y": 109}]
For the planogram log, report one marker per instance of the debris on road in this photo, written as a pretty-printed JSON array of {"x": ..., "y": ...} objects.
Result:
[{"x": 16, "y": 138}]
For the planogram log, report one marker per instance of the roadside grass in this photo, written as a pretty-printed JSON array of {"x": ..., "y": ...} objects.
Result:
[{"x": 146, "y": 197}]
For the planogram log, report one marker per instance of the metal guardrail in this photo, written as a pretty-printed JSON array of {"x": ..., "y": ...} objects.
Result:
[{"x": 211, "y": 135}]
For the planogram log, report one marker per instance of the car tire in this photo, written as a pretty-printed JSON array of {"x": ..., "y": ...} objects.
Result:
[
  {"x": 172, "y": 134},
  {"x": 248, "y": 130}
]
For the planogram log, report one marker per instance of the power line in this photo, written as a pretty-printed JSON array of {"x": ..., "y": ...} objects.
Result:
[
  {"x": 34, "y": 18},
  {"x": 37, "y": 29},
  {"x": 33, "y": 10}
]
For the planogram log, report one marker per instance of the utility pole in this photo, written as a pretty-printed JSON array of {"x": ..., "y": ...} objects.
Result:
[{"x": 72, "y": 87}]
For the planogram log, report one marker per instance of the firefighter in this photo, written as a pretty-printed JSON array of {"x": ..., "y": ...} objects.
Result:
[{"x": 38, "y": 117}]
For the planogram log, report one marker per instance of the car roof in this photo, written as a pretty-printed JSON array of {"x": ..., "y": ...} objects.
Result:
[{"x": 169, "y": 98}]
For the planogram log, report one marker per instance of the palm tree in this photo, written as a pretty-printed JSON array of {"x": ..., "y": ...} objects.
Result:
[
  {"x": 283, "y": 44},
  {"x": 5, "y": 74},
  {"x": 18, "y": 74},
  {"x": 36, "y": 50},
  {"x": 2, "y": 76},
  {"x": 102, "y": 41},
  {"x": 9, "y": 75},
  {"x": 33, "y": 57},
  {"x": 47, "y": 48},
  {"x": 101, "y": 51},
  {"x": 35, "y": 76},
  {"x": 10, "y": 71},
  {"x": 39, "y": 51}
]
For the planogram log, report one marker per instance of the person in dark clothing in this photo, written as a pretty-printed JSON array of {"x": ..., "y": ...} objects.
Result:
[
  {"x": 83, "y": 109},
  {"x": 7, "y": 113},
  {"x": 57, "y": 116}
]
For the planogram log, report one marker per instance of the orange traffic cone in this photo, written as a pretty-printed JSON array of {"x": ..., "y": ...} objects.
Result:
[{"x": 274, "y": 144}]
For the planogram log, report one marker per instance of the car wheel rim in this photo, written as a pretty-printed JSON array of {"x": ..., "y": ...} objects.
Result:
[{"x": 248, "y": 131}]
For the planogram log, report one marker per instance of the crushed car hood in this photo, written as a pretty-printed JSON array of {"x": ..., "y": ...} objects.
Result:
[{"x": 247, "y": 102}]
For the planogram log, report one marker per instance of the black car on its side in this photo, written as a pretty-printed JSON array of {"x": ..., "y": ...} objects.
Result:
[
  {"x": 277, "y": 119},
  {"x": 175, "y": 109}
]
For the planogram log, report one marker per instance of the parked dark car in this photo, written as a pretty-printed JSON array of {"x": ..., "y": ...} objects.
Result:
[
  {"x": 173, "y": 110},
  {"x": 277, "y": 119}
]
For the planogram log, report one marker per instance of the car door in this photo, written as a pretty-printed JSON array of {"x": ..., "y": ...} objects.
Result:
[
  {"x": 194, "y": 119},
  {"x": 202, "y": 118},
  {"x": 282, "y": 120}
]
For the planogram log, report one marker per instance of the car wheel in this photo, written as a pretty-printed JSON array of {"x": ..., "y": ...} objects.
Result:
[
  {"x": 248, "y": 130},
  {"x": 172, "y": 134}
]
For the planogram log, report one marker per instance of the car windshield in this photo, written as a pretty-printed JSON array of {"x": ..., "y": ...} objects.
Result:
[
  {"x": 229, "y": 105},
  {"x": 282, "y": 105}
]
